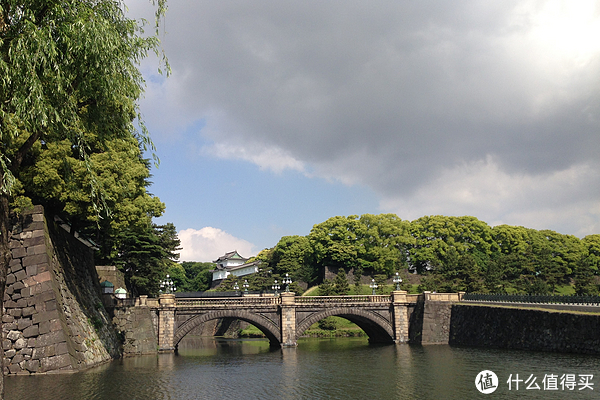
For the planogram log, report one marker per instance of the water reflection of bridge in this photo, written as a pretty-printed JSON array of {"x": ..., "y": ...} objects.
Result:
[{"x": 283, "y": 319}]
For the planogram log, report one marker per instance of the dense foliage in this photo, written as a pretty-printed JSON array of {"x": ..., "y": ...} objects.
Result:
[
  {"x": 451, "y": 254},
  {"x": 191, "y": 276},
  {"x": 69, "y": 91}
]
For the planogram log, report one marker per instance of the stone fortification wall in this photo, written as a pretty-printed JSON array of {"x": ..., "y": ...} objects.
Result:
[
  {"x": 430, "y": 318},
  {"x": 53, "y": 317},
  {"x": 112, "y": 274},
  {"x": 137, "y": 325},
  {"x": 524, "y": 329},
  {"x": 436, "y": 322}
]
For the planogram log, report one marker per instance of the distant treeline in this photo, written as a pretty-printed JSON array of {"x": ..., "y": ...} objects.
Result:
[{"x": 452, "y": 254}]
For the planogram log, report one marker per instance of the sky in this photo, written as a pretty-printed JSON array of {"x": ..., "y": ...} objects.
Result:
[{"x": 278, "y": 115}]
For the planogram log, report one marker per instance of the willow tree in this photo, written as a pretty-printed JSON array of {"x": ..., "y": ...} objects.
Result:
[{"x": 68, "y": 71}]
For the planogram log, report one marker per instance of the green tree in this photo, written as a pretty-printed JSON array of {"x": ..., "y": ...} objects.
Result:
[
  {"x": 377, "y": 243},
  {"x": 592, "y": 246},
  {"x": 468, "y": 277},
  {"x": 55, "y": 175},
  {"x": 227, "y": 284},
  {"x": 584, "y": 278},
  {"x": 68, "y": 70},
  {"x": 334, "y": 242},
  {"x": 328, "y": 324},
  {"x": 69, "y": 77},
  {"x": 386, "y": 239},
  {"x": 176, "y": 273},
  {"x": 341, "y": 287},
  {"x": 262, "y": 280},
  {"x": 435, "y": 235},
  {"x": 358, "y": 273},
  {"x": 326, "y": 288},
  {"x": 145, "y": 258},
  {"x": 198, "y": 275},
  {"x": 493, "y": 281},
  {"x": 294, "y": 255},
  {"x": 380, "y": 280}
]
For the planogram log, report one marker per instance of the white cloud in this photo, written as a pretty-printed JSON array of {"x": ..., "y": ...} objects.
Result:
[
  {"x": 565, "y": 201},
  {"x": 409, "y": 98},
  {"x": 208, "y": 244},
  {"x": 269, "y": 158}
]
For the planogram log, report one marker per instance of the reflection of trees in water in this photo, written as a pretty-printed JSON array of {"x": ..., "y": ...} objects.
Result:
[
  {"x": 226, "y": 327},
  {"x": 192, "y": 342},
  {"x": 210, "y": 346}
]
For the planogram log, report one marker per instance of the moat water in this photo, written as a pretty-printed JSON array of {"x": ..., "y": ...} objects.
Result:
[{"x": 344, "y": 368}]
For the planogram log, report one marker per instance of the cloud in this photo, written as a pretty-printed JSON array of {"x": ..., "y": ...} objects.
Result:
[
  {"x": 208, "y": 244},
  {"x": 267, "y": 158},
  {"x": 403, "y": 97},
  {"x": 564, "y": 200}
]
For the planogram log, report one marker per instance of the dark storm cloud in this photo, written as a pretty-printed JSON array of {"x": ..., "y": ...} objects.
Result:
[{"x": 387, "y": 93}]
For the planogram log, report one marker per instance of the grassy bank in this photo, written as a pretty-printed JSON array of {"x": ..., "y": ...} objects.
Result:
[
  {"x": 328, "y": 327},
  {"x": 364, "y": 290}
]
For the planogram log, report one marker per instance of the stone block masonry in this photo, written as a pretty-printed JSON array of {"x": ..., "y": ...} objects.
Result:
[
  {"x": 136, "y": 325},
  {"x": 525, "y": 329},
  {"x": 53, "y": 319}
]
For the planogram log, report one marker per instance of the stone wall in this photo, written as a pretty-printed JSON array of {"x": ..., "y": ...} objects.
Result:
[
  {"x": 436, "y": 322},
  {"x": 53, "y": 317},
  {"x": 415, "y": 321},
  {"x": 112, "y": 274},
  {"x": 524, "y": 329},
  {"x": 137, "y": 328}
]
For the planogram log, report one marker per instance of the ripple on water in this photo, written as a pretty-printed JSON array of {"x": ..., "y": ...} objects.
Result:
[{"x": 317, "y": 369}]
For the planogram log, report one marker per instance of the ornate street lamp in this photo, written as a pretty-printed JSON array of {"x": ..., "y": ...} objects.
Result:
[
  {"x": 287, "y": 281},
  {"x": 167, "y": 286},
  {"x": 397, "y": 281},
  {"x": 236, "y": 288},
  {"x": 246, "y": 286},
  {"x": 275, "y": 287},
  {"x": 373, "y": 286}
]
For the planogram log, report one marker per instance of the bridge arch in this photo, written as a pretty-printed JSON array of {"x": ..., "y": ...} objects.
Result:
[
  {"x": 375, "y": 326},
  {"x": 270, "y": 330}
]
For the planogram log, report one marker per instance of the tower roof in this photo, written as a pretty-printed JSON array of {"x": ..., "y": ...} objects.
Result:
[{"x": 232, "y": 255}]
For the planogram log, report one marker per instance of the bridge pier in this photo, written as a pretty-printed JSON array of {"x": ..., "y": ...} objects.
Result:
[
  {"x": 166, "y": 323},
  {"x": 288, "y": 319},
  {"x": 400, "y": 316}
]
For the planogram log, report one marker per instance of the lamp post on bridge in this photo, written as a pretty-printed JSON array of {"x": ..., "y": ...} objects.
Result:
[
  {"x": 287, "y": 281},
  {"x": 167, "y": 285},
  {"x": 275, "y": 287},
  {"x": 397, "y": 281},
  {"x": 236, "y": 288},
  {"x": 246, "y": 286},
  {"x": 373, "y": 286}
]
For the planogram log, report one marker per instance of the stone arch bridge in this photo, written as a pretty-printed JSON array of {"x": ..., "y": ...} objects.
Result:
[{"x": 283, "y": 319}]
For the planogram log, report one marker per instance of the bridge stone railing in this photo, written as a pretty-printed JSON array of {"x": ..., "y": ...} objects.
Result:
[
  {"x": 533, "y": 299},
  {"x": 343, "y": 299},
  {"x": 227, "y": 301}
]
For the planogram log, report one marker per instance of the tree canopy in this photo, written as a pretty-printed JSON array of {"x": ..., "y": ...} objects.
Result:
[
  {"x": 70, "y": 85},
  {"x": 452, "y": 254}
]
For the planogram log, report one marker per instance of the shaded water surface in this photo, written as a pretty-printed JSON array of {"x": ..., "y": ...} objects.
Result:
[{"x": 343, "y": 368}]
